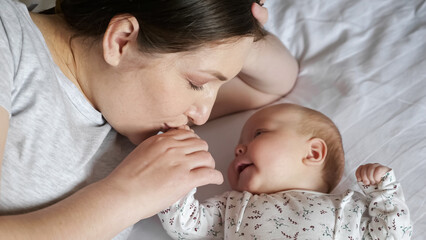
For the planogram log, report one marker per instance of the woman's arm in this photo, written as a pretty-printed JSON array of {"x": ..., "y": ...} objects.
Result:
[
  {"x": 155, "y": 175},
  {"x": 92, "y": 213},
  {"x": 89, "y": 214},
  {"x": 269, "y": 73}
]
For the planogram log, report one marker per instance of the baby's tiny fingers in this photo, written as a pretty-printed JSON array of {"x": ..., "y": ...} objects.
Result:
[
  {"x": 379, "y": 172},
  {"x": 358, "y": 174},
  {"x": 364, "y": 175},
  {"x": 371, "y": 170}
]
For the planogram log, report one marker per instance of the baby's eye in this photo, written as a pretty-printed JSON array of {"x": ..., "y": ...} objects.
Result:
[{"x": 258, "y": 132}]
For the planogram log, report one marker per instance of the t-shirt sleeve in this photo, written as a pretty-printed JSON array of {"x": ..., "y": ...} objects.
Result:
[{"x": 6, "y": 70}]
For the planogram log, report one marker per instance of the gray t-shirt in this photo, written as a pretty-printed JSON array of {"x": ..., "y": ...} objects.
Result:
[{"x": 57, "y": 142}]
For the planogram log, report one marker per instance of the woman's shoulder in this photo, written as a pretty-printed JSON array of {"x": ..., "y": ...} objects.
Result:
[
  {"x": 20, "y": 38},
  {"x": 14, "y": 20},
  {"x": 11, "y": 10}
]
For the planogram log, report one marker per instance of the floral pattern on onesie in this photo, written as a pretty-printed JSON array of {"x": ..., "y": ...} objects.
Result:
[{"x": 379, "y": 213}]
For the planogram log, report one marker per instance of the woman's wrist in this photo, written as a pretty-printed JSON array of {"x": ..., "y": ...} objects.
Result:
[{"x": 97, "y": 210}]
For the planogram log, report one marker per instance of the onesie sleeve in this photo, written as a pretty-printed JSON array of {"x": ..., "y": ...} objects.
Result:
[
  {"x": 389, "y": 217},
  {"x": 188, "y": 219}
]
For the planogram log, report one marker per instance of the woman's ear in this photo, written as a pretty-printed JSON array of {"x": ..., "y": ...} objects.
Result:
[
  {"x": 317, "y": 151},
  {"x": 121, "y": 32}
]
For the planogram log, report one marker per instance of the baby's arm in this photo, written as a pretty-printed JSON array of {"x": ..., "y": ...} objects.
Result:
[
  {"x": 188, "y": 219},
  {"x": 389, "y": 215}
]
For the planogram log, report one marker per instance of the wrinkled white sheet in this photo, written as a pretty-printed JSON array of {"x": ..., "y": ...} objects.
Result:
[{"x": 363, "y": 63}]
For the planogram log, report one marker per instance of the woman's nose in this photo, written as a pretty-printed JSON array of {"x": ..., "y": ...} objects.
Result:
[
  {"x": 200, "y": 111},
  {"x": 199, "y": 115},
  {"x": 240, "y": 149}
]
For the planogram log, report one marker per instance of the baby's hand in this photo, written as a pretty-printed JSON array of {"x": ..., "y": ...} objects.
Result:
[{"x": 371, "y": 173}]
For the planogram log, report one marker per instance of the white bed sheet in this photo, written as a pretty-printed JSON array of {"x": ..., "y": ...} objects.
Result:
[{"x": 362, "y": 63}]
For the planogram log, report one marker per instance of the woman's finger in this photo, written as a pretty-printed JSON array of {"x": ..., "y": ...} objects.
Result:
[
  {"x": 200, "y": 159},
  {"x": 204, "y": 176},
  {"x": 190, "y": 145},
  {"x": 180, "y": 134}
]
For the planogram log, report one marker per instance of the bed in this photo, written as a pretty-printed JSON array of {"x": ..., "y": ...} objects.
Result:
[{"x": 362, "y": 63}]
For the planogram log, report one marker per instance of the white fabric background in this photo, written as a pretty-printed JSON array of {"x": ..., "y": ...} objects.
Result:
[{"x": 362, "y": 63}]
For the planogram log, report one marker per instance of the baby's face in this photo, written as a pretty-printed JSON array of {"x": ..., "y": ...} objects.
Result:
[{"x": 269, "y": 155}]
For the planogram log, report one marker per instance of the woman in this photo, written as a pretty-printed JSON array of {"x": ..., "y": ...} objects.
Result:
[{"x": 77, "y": 86}]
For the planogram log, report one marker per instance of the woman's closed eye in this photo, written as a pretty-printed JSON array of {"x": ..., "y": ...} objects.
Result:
[{"x": 195, "y": 87}]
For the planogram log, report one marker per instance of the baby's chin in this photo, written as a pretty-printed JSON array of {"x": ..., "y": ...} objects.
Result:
[
  {"x": 246, "y": 188},
  {"x": 236, "y": 187},
  {"x": 244, "y": 183}
]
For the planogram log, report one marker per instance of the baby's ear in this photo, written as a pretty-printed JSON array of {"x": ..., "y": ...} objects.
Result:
[{"x": 317, "y": 151}]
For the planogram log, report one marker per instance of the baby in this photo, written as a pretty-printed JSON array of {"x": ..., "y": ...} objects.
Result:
[{"x": 288, "y": 160}]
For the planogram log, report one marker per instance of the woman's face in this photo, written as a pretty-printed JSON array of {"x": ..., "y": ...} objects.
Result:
[{"x": 151, "y": 93}]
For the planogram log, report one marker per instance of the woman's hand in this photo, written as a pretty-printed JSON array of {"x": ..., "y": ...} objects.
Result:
[
  {"x": 163, "y": 169},
  {"x": 371, "y": 174}
]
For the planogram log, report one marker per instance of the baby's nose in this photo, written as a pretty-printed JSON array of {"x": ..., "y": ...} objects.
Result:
[{"x": 240, "y": 149}]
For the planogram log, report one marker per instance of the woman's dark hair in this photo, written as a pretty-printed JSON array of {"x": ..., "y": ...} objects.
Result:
[{"x": 167, "y": 25}]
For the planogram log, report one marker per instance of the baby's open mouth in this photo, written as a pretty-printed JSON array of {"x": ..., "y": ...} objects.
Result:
[{"x": 243, "y": 166}]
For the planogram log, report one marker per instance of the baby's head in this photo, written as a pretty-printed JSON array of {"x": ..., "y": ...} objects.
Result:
[{"x": 287, "y": 146}]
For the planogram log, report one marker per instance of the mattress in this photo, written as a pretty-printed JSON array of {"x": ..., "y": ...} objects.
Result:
[{"x": 363, "y": 64}]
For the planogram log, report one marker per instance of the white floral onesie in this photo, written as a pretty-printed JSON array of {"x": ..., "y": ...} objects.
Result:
[{"x": 379, "y": 214}]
